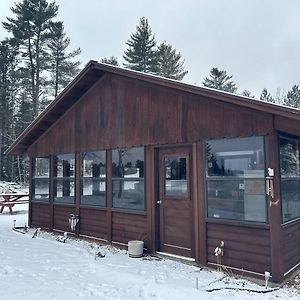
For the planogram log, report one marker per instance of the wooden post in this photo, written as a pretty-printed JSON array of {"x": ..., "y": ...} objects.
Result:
[
  {"x": 31, "y": 166},
  {"x": 195, "y": 207},
  {"x": 77, "y": 188},
  {"x": 272, "y": 156},
  {"x": 200, "y": 213},
  {"x": 150, "y": 198},
  {"x": 109, "y": 195},
  {"x": 51, "y": 192}
]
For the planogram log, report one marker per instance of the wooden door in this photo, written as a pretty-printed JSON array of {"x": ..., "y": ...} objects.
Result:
[{"x": 175, "y": 203}]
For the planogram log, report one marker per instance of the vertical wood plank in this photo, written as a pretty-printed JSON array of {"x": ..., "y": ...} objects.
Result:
[
  {"x": 31, "y": 166},
  {"x": 195, "y": 200},
  {"x": 109, "y": 194},
  {"x": 150, "y": 198},
  {"x": 272, "y": 155},
  {"x": 51, "y": 193},
  {"x": 200, "y": 213},
  {"x": 77, "y": 187}
]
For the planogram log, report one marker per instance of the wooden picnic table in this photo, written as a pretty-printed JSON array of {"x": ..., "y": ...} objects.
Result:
[{"x": 10, "y": 199}]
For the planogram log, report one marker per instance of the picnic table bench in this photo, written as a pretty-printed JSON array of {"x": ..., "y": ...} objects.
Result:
[{"x": 11, "y": 199}]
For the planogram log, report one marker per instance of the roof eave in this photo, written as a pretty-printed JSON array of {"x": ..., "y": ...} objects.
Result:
[{"x": 16, "y": 148}]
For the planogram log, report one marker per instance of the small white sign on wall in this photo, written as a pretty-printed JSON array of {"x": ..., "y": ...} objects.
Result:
[{"x": 270, "y": 172}]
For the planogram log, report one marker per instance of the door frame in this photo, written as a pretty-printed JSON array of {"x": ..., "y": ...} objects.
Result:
[{"x": 177, "y": 150}]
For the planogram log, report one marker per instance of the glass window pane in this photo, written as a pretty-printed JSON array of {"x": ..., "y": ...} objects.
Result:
[
  {"x": 289, "y": 157},
  {"x": 93, "y": 192},
  {"x": 40, "y": 180},
  {"x": 240, "y": 157},
  {"x": 41, "y": 167},
  {"x": 64, "y": 190},
  {"x": 290, "y": 181},
  {"x": 128, "y": 194},
  {"x": 93, "y": 178},
  {"x": 128, "y": 163},
  {"x": 128, "y": 174},
  {"x": 94, "y": 164},
  {"x": 290, "y": 193},
  {"x": 40, "y": 189},
  {"x": 243, "y": 200},
  {"x": 64, "y": 180},
  {"x": 64, "y": 165},
  {"x": 176, "y": 176}
]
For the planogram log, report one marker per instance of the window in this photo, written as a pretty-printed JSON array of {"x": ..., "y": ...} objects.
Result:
[
  {"x": 64, "y": 178},
  {"x": 93, "y": 178},
  {"x": 40, "y": 179},
  {"x": 176, "y": 183},
  {"x": 128, "y": 178},
  {"x": 235, "y": 179},
  {"x": 290, "y": 178}
]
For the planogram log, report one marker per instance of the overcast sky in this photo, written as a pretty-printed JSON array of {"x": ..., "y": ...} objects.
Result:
[{"x": 256, "y": 41}]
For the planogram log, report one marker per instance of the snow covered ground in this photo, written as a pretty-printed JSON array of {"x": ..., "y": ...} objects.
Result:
[{"x": 43, "y": 268}]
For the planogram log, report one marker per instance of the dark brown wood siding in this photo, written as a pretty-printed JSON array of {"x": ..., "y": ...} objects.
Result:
[
  {"x": 286, "y": 125},
  {"x": 93, "y": 223},
  {"x": 126, "y": 227},
  {"x": 120, "y": 112},
  {"x": 245, "y": 248},
  {"x": 40, "y": 215},
  {"x": 290, "y": 247},
  {"x": 61, "y": 215}
]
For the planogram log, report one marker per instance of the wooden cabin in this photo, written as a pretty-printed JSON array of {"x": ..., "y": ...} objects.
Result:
[{"x": 133, "y": 156}]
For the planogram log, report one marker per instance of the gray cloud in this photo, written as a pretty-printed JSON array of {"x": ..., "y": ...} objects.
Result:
[{"x": 254, "y": 40}]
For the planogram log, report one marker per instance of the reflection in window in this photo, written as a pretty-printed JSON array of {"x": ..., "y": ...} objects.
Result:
[
  {"x": 93, "y": 178},
  {"x": 242, "y": 157},
  {"x": 289, "y": 157},
  {"x": 237, "y": 200},
  {"x": 290, "y": 180},
  {"x": 128, "y": 178},
  {"x": 64, "y": 178},
  {"x": 176, "y": 176},
  {"x": 40, "y": 179},
  {"x": 235, "y": 181}
]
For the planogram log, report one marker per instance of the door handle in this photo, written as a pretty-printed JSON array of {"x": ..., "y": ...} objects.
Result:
[{"x": 159, "y": 202}]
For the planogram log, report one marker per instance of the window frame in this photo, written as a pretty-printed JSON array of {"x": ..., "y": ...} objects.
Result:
[
  {"x": 33, "y": 178},
  {"x": 70, "y": 179},
  {"x": 105, "y": 180},
  {"x": 288, "y": 179},
  {"x": 210, "y": 178},
  {"x": 122, "y": 180},
  {"x": 188, "y": 179}
]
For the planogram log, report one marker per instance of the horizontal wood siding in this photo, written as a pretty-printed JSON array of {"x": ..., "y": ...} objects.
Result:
[
  {"x": 40, "y": 215},
  {"x": 61, "y": 217},
  {"x": 290, "y": 247},
  {"x": 122, "y": 112},
  {"x": 93, "y": 223},
  {"x": 245, "y": 248},
  {"x": 127, "y": 227}
]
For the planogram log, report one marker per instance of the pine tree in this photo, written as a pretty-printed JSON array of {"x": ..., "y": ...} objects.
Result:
[
  {"x": 248, "y": 94},
  {"x": 266, "y": 96},
  {"x": 218, "y": 79},
  {"x": 30, "y": 27},
  {"x": 141, "y": 54},
  {"x": 293, "y": 97},
  {"x": 8, "y": 90},
  {"x": 170, "y": 64},
  {"x": 110, "y": 61},
  {"x": 62, "y": 68}
]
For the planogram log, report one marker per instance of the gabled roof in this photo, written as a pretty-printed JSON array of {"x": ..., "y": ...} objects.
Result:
[{"x": 93, "y": 71}]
